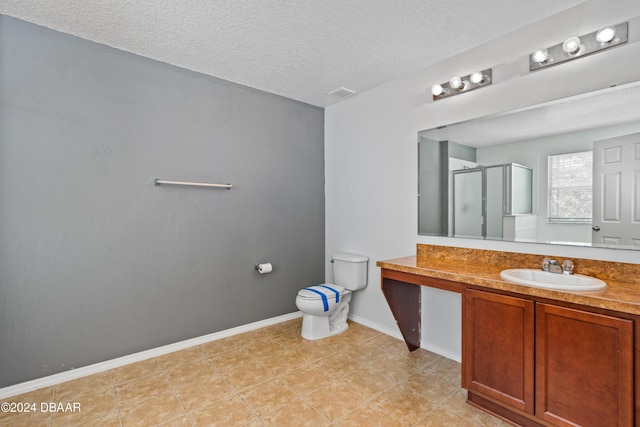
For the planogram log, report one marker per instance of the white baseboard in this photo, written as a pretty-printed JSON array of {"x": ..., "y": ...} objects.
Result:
[
  {"x": 396, "y": 334},
  {"x": 84, "y": 371},
  {"x": 442, "y": 352}
]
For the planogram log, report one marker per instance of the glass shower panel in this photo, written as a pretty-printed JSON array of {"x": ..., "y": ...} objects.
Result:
[
  {"x": 467, "y": 203},
  {"x": 521, "y": 190},
  {"x": 494, "y": 201}
]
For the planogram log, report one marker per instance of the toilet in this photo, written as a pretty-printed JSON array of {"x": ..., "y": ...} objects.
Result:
[{"x": 325, "y": 307}]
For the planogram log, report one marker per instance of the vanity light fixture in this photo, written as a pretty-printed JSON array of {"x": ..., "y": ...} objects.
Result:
[
  {"x": 572, "y": 46},
  {"x": 456, "y": 83},
  {"x": 436, "y": 90},
  {"x": 463, "y": 84},
  {"x": 605, "y": 35},
  {"x": 540, "y": 56},
  {"x": 577, "y": 47}
]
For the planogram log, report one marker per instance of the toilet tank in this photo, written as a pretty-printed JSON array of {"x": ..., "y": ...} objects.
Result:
[{"x": 350, "y": 270}]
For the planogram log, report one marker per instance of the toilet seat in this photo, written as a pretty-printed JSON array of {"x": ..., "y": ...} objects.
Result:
[
  {"x": 328, "y": 294},
  {"x": 321, "y": 292}
]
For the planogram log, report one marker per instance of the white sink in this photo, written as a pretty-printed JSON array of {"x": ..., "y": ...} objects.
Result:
[{"x": 547, "y": 280}]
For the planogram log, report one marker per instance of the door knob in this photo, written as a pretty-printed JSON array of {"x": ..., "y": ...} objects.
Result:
[{"x": 595, "y": 228}]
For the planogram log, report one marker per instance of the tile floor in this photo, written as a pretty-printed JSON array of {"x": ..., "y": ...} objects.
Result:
[{"x": 269, "y": 377}]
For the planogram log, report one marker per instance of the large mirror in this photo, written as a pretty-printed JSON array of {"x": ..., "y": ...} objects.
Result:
[{"x": 564, "y": 172}]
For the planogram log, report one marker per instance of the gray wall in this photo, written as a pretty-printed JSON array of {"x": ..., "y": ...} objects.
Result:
[
  {"x": 433, "y": 183},
  {"x": 95, "y": 261}
]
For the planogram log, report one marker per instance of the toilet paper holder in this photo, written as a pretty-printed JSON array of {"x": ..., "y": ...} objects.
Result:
[{"x": 264, "y": 268}]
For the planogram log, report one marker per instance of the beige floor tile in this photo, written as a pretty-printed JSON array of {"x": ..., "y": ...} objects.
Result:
[
  {"x": 93, "y": 407},
  {"x": 370, "y": 416},
  {"x": 202, "y": 393},
  {"x": 230, "y": 360},
  {"x": 447, "y": 369},
  {"x": 312, "y": 351},
  {"x": 335, "y": 400},
  {"x": 298, "y": 414},
  {"x": 397, "y": 365},
  {"x": 190, "y": 372},
  {"x": 290, "y": 326},
  {"x": 268, "y": 396},
  {"x": 33, "y": 397},
  {"x": 414, "y": 360},
  {"x": 152, "y": 412},
  {"x": 369, "y": 383},
  {"x": 134, "y": 371},
  {"x": 262, "y": 349},
  {"x": 180, "y": 422},
  {"x": 225, "y": 413},
  {"x": 266, "y": 334},
  {"x": 25, "y": 419},
  {"x": 306, "y": 379},
  {"x": 440, "y": 388},
  {"x": 362, "y": 352},
  {"x": 133, "y": 393},
  {"x": 283, "y": 362},
  {"x": 388, "y": 344},
  {"x": 404, "y": 404},
  {"x": 339, "y": 365},
  {"x": 108, "y": 420},
  {"x": 441, "y": 417},
  {"x": 457, "y": 405},
  {"x": 177, "y": 358},
  {"x": 247, "y": 375},
  {"x": 40, "y": 395},
  {"x": 340, "y": 341},
  {"x": 361, "y": 333},
  {"x": 216, "y": 347},
  {"x": 92, "y": 384}
]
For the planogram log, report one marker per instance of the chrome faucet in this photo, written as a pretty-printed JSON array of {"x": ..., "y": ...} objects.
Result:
[
  {"x": 567, "y": 267},
  {"x": 552, "y": 266}
]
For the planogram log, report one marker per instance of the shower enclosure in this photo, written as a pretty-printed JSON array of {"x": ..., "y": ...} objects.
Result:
[{"x": 487, "y": 199}]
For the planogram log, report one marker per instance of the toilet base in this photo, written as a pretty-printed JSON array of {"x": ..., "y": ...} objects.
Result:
[{"x": 318, "y": 327}]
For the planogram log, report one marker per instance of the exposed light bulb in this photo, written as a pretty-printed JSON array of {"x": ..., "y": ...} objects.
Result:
[
  {"x": 476, "y": 77},
  {"x": 456, "y": 83},
  {"x": 436, "y": 90},
  {"x": 571, "y": 45},
  {"x": 605, "y": 35},
  {"x": 540, "y": 56}
]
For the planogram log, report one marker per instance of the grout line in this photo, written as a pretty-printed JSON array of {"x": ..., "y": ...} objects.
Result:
[
  {"x": 115, "y": 396},
  {"x": 53, "y": 399},
  {"x": 173, "y": 390}
]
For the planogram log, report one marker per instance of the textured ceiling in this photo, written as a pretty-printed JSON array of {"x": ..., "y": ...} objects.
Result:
[{"x": 298, "y": 49}]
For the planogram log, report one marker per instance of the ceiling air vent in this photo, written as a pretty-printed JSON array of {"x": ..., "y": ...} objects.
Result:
[{"x": 342, "y": 92}]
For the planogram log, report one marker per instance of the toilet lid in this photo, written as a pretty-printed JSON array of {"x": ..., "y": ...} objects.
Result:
[{"x": 316, "y": 292}]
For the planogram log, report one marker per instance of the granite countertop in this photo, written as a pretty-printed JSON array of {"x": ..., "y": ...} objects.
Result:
[{"x": 620, "y": 296}]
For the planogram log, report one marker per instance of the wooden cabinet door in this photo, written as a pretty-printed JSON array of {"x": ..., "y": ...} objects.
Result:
[
  {"x": 498, "y": 348},
  {"x": 584, "y": 368}
]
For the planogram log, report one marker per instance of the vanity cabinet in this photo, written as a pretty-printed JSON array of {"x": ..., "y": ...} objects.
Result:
[
  {"x": 498, "y": 348},
  {"x": 543, "y": 364},
  {"x": 584, "y": 367}
]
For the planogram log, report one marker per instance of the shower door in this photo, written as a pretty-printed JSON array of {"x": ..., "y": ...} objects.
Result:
[
  {"x": 468, "y": 203},
  {"x": 484, "y": 195}
]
